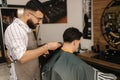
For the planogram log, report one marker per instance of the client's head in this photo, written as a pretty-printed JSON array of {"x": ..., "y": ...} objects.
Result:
[{"x": 71, "y": 38}]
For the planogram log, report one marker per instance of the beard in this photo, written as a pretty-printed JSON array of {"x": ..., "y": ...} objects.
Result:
[{"x": 31, "y": 24}]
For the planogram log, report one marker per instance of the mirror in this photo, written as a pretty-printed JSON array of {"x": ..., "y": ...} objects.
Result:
[{"x": 110, "y": 24}]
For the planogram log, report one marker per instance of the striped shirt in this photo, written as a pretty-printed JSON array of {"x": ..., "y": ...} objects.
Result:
[
  {"x": 16, "y": 41},
  {"x": 16, "y": 38}
]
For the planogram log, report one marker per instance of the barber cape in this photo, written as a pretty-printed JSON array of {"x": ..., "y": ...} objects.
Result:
[{"x": 67, "y": 66}]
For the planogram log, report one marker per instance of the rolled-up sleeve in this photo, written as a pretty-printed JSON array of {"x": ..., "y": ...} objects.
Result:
[{"x": 16, "y": 41}]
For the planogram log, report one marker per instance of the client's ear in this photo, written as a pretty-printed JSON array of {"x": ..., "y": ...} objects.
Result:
[{"x": 74, "y": 42}]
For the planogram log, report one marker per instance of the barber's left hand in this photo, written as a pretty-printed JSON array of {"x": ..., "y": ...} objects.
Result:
[{"x": 53, "y": 45}]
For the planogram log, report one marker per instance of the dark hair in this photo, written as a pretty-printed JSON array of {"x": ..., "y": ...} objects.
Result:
[
  {"x": 71, "y": 34},
  {"x": 34, "y": 5}
]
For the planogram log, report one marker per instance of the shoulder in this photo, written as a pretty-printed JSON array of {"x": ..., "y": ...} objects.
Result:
[{"x": 13, "y": 26}]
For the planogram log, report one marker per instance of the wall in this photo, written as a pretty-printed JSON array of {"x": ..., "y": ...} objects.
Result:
[
  {"x": 98, "y": 8},
  {"x": 14, "y": 2},
  {"x": 53, "y": 32},
  {"x": 18, "y": 2}
]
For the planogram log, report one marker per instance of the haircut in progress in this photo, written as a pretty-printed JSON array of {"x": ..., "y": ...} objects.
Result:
[
  {"x": 65, "y": 65},
  {"x": 71, "y": 34}
]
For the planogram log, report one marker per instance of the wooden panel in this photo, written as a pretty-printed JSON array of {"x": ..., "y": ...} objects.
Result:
[{"x": 98, "y": 8}]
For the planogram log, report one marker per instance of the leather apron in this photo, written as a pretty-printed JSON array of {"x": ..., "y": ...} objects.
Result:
[{"x": 29, "y": 70}]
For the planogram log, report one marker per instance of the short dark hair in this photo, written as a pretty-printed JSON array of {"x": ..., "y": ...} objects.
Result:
[
  {"x": 34, "y": 5},
  {"x": 71, "y": 34}
]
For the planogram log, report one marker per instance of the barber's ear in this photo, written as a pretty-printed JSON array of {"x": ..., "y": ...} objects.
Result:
[{"x": 27, "y": 14}]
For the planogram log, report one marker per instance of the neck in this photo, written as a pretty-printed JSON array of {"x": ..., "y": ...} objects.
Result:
[
  {"x": 23, "y": 18},
  {"x": 67, "y": 48}
]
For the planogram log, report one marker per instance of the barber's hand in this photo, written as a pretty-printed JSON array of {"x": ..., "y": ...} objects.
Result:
[
  {"x": 45, "y": 54},
  {"x": 53, "y": 45}
]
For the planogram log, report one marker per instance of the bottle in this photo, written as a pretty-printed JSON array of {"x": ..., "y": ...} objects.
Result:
[{"x": 97, "y": 46}]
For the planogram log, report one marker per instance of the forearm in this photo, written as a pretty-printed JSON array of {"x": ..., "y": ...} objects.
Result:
[
  {"x": 32, "y": 54},
  {"x": 114, "y": 35}
]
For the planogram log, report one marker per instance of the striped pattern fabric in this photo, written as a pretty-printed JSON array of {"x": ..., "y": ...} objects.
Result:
[
  {"x": 16, "y": 39},
  {"x": 104, "y": 76}
]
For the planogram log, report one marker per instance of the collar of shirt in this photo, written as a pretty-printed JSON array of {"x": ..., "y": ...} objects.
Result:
[{"x": 23, "y": 25}]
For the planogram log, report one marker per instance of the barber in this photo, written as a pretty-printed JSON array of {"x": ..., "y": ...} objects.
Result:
[{"x": 21, "y": 44}]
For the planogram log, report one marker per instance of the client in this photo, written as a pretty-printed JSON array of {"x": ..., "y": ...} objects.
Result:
[{"x": 65, "y": 65}]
